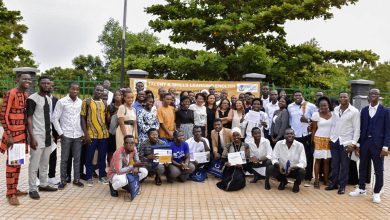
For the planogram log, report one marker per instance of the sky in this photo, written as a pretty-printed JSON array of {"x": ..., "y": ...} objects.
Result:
[{"x": 63, "y": 29}]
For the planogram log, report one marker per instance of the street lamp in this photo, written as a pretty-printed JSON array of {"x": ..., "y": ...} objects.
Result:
[{"x": 123, "y": 44}]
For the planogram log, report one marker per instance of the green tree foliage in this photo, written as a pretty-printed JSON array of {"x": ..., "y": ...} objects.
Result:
[
  {"x": 249, "y": 36},
  {"x": 12, "y": 54}
]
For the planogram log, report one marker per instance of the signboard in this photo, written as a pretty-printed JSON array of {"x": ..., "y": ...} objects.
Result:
[{"x": 232, "y": 87}]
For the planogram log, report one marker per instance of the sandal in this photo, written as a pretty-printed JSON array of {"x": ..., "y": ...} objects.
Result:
[
  {"x": 316, "y": 184},
  {"x": 157, "y": 180}
]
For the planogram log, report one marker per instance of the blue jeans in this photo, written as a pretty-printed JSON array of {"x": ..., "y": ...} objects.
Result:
[
  {"x": 340, "y": 164},
  {"x": 101, "y": 145}
]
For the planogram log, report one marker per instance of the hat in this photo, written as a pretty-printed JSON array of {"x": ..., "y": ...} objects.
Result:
[{"x": 236, "y": 129}]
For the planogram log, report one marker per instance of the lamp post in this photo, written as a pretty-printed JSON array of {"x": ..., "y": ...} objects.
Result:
[{"x": 123, "y": 44}]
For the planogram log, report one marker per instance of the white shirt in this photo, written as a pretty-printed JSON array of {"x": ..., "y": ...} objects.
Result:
[
  {"x": 200, "y": 114},
  {"x": 296, "y": 111},
  {"x": 264, "y": 149},
  {"x": 270, "y": 109},
  {"x": 372, "y": 110},
  {"x": 296, "y": 154},
  {"x": 196, "y": 147},
  {"x": 110, "y": 97},
  {"x": 66, "y": 117},
  {"x": 265, "y": 101},
  {"x": 345, "y": 126}
]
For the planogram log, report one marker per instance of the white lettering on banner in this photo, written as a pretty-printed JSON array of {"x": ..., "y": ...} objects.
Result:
[{"x": 247, "y": 88}]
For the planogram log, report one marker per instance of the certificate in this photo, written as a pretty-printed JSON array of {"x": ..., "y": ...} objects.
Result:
[
  {"x": 17, "y": 155},
  {"x": 201, "y": 157},
  {"x": 237, "y": 158},
  {"x": 164, "y": 156}
]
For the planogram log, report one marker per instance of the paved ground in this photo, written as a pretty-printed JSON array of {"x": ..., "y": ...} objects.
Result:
[{"x": 194, "y": 201}]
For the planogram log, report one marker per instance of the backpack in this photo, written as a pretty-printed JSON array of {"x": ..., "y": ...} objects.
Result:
[
  {"x": 199, "y": 175},
  {"x": 114, "y": 123},
  {"x": 233, "y": 179},
  {"x": 216, "y": 168}
]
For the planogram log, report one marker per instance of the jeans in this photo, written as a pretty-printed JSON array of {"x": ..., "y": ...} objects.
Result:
[
  {"x": 70, "y": 146},
  {"x": 340, "y": 164},
  {"x": 101, "y": 145}
]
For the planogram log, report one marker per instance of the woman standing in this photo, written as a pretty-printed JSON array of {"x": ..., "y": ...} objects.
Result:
[
  {"x": 211, "y": 108},
  {"x": 147, "y": 119},
  {"x": 127, "y": 120},
  {"x": 112, "y": 111},
  {"x": 185, "y": 118},
  {"x": 237, "y": 116},
  {"x": 200, "y": 114},
  {"x": 321, "y": 126},
  {"x": 223, "y": 113},
  {"x": 280, "y": 122}
]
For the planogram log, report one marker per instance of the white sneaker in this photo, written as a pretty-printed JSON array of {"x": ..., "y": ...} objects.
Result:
[
  {"x": 307, "y": 183},
  {"x": 376, "y": 198},
  {"x": 53, "y": 181},
  {"x": 358, "y": 192}
]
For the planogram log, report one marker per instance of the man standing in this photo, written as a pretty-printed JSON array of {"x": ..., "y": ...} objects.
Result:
[
  {"x": 300, "y": 112},
  {"x": 212, "y": 90},
  {"x": 39, "y": 129},
  {"x": 66, "y": 120},
  {"x": 344, "y": 136},
  {"x": 161, "y": 94},
  {"x": 265, "y": 95},
  {"x": 289, "y": 160},
  {"x": 13, "y": 118},
  {"x": 139, "y": 86},
  {"x": 53, "y": 156},
  {"x": 220, "y": 137},
  {"x": 106, "y": 86},
  {"x": 93, "y": 118},
  {"x": 374, "y": 143},
  {"x": 272, "y": 106}
]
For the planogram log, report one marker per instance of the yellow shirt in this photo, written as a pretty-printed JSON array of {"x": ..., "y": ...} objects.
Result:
[
  {"x": 96, "y": 119},
  {"x": 166, "y": 116}
]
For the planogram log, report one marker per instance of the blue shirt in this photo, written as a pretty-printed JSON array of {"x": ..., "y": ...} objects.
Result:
[
  {"x": 137, "y": 106},
  {"x": 179, "y": 152},
  {"x": 296, "y": 111}
]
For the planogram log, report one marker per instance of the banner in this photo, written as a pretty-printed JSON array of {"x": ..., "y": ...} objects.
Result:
[{"x": 232, "y": 87}]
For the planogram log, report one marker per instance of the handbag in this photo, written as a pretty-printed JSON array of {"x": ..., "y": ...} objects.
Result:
[
  {"x": 114, "y": 123},
  {"x": 216, "y": 168},
  {"x": 199, "y": 175},
  {"x": 233, "y": 180},
  {"x": 133, "y": 185}
]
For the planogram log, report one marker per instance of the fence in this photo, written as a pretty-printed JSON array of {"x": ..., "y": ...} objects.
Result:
[{"x": 87, "y": 88}]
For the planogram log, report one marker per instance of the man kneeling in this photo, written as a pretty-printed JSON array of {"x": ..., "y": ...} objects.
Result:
[
  {"x": 125, "y": 160},
  {"x": 289, "y": 160}
]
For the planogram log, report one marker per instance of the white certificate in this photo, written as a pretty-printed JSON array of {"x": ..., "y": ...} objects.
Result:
[
  {"x": 164, "y": 156},
  {"x": 253, "y": 116},
  {"x": 201, "y": 157},
  {"x": 17, "y": 155},
  {"x": 237, "y": 158}
]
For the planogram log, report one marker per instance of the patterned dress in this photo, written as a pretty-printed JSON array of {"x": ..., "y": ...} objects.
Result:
[
  {"x": 146, "y": 120},
  {"x": 13, "y": 120}
]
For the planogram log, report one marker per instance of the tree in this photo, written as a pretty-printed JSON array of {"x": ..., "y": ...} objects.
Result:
[
  {"x": 12, "y": 54},
  {"x": 249, "y": 36}
]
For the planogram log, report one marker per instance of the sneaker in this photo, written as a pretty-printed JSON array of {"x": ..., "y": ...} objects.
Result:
[
  {"x": 68, "y": 179},
  {"x": 376, "y": 198},
  {"x": 61, "y": 186},
  {"x": 34, "y": 195},
  {"x": 103, "y": 180},
  {"x": 358, "y": 192},
  {"x": 307, "y": 183},
  {"x": 78, "y": 183},
  {"x": 90, "y": 182},
  {"x": 53, "y": 181}
]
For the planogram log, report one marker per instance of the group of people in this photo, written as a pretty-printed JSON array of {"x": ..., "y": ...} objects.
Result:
[{"x": 111, "y": 131}]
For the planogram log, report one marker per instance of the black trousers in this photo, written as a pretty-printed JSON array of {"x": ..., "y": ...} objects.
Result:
[
  {"x": 298, "y": 174},
  {"x": 309, "y": 150},
  {"x": 251, "y": 165},
  {"x": 53, "y": 164}
]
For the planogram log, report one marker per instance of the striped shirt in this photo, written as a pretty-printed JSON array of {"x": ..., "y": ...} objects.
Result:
[{"x": 96, "y": 119}]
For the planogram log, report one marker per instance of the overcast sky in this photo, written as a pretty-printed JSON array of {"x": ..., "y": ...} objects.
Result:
[{"x": 60, "y": 30}]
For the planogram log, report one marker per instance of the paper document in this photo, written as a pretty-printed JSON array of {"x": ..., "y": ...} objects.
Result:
[
  {"x": 53, "y": 146},
  {"x": 237, "y": 158},
  {"x": 164, "y": 156},
  {"x": 201, "y": 157},
  {"x": 17, "y": 155}
]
